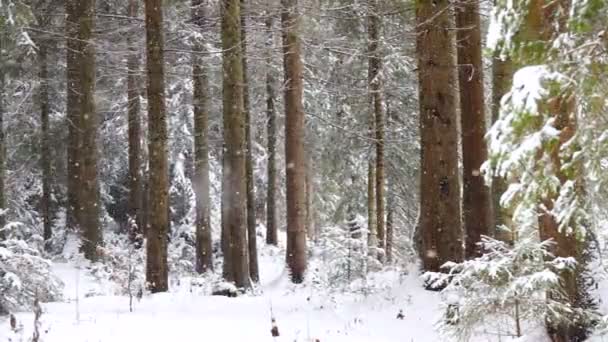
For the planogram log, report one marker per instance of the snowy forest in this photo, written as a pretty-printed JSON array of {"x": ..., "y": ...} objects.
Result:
[{"x": 303, "y": 170}]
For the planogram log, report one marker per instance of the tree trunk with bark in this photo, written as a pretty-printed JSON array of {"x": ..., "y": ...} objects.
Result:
[
  {"x": 234, "y": 183},
  {"x": 73, "y": 116},
  {"x": 45, "y": 142},
  {"x": 271, "y": 127},
  {"x": 440, "y": 220},
  {"x": 375, "y": 89},
  {"x": 502, "y": 73},
  {"x": 136, "y": 211},
  {"x": 2, "y": 139},
  {"x": 204, "y": 251},
  {"x": 476, "y": 200},
  {"x": 158, "y": 220},
  {"x": 251, "y": 212},
  {"x": 89, "y": 198},
  {"x": 295, "y": 162}
]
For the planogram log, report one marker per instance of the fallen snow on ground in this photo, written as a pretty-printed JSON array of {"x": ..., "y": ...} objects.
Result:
[{"x": 302, "y": 314}]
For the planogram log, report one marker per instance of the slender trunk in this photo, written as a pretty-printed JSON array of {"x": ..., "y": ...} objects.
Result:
[
  {"x": 89, "y": 205},
  {"x": 372, "y": 219},
  {"x": 502, "y": 73},
  {"x": 476, "y": 201},
  {"x": 135, "y": 154},
  {"x": 294, "y": 142},
  {"x": 375, "y": 66},
  {"x": 158, "y": 220},
  {"x": 234, "y": 190},
  {"x": 2, "y": 139},
  {"x": 251, "y": 224},
  {"x": 371, "y": 196},
  {"x": 390, "y": 204},
  {"x": 389, "y": 229},
  {"x": 204, "y": 252},
  {"x": 271, "y": 127},
  {"x": 45, "y": 143},
  {"x": 310, "y": 227},
  {"x": 440, "y": 219},
  {"x": 72, "y": 113}
]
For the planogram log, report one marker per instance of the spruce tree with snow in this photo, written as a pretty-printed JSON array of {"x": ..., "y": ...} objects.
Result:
[{"x": 506, "y": 290}]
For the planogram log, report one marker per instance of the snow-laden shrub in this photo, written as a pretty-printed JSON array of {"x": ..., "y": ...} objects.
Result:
[
  {"x": 122, "y": 264},
  {"x": 25, "y": 275},
  {"x": 503, "y": 289},
  {"x": 345, "y": 253}
]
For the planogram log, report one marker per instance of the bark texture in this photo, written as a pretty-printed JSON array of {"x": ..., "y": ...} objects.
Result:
[
  {"x": 440, "y": 221},
  {"x": 72, "y": 113},
  {"x": 271, "y": 128},
  {"x": 234, "y": 184},
  {"x": 375, "y": 89},
  {"x": 502, "y": 73},
  {"x": 295, "y": 162},
  {"x": 136, "y": 211},
  {"x": 251, "y": 212},
  {"x": 2, "y": 139},
  {"x": 204, "y": 252},
  {"x": 89, "y": 197},
  {"x": 45, "y": 142},
  {"x": 158, "y": 220},
  {"x": 476, "y": 200}
]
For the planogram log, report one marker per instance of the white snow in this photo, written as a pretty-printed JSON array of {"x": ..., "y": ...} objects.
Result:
[{"x": 302, "y": 314}]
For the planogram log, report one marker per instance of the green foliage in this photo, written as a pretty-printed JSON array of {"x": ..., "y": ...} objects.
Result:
[{"x": 504, "y": 292}]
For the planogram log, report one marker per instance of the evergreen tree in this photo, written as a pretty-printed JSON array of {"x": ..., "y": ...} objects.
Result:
[
  {"x": 440, "y": 222},
  {"x": 295, "y": 163},
  {"x": 234, "y": 183},
  {"x": 158, "y": 220}
]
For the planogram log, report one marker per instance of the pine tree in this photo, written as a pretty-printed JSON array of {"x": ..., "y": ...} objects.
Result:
[
  {"x": 74, "y": 161},
  {"x": 294, "y": 142},
  {"x": 158, "y": 220},
  {"x": 375, "y": 89},
  {"x": 271, "y": 128},
  {"x": 204, "y": 253},
  {"x": 476, "y": 201},
  {"x": 251, "y": 219},
  {"x": 45, "y": 141},
  {"x": 2, "y": 137},
  {"x": 234, "y": 187},
  {"x": 439, "y": 223},
  {"x": 89, "y": 205},
  {"x": 136, "y": 211}
]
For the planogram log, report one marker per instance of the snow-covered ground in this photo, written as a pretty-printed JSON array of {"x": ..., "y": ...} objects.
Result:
[{"x": 302, "y": 314}]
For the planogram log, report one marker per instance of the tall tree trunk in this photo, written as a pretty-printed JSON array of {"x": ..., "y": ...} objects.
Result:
[
  {"x": 136, "y": 211},
  {"x": 440, "y": 221},
  {"x": 476, "y": 201},
  {"x": 234, "y": 184},
  {"x": 2, "y": 139},
  {"x": 89, "y": 206},
  {"x": 158, "y": 220},
  {"x": 375, "y": 89},
  {"x": 251, "y": 224},
  {"x": 502, "y": 73},
  {"x": 311, "y": 232},
  {"x": 72, "y": 113},
  {"x": 294, "y": 142},
  {"x": 271, "y": 127},
  {"x": 372, "y": 28},
  {"x": 45, "y": 143},
  {"x": 390, "y": 203},
  {"x": 204, "y": 252}
]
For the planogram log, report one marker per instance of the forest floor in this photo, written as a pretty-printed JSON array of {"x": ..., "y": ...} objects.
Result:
[{"x": 302, "y": 314}]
